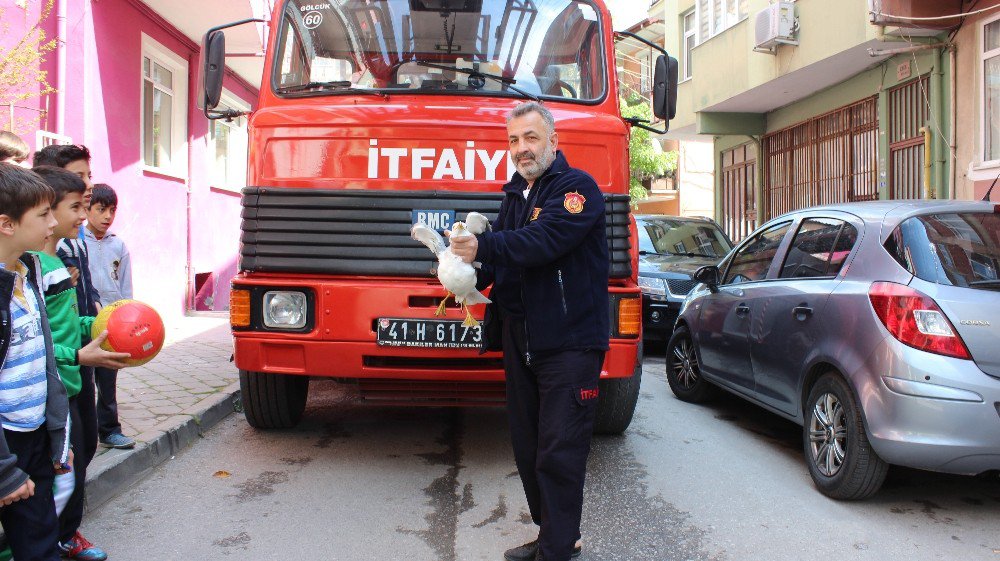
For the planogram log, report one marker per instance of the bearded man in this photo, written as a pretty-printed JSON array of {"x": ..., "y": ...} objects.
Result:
[{"x": 547, "y": 257}]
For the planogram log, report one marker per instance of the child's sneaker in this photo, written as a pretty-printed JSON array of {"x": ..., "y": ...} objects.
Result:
[
  {"x": 80, "y": 549},
  {"x": 117, "y": 440}
]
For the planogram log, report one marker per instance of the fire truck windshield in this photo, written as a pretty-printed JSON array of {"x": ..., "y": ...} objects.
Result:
[{"x": 522, "y": 48}]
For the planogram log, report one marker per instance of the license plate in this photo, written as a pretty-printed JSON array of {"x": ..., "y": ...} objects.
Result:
[{"x": 432, "y": 333}]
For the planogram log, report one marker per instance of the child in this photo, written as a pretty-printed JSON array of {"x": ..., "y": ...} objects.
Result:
[
  {"x": 34, "y": 446},
  {"x": 111, "y": 271},
  {"x": 13, "y": 150},
  {"x": 68, "y": 328}
]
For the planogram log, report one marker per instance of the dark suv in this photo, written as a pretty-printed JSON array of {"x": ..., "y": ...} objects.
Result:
[{"x": 671, "y": 249}]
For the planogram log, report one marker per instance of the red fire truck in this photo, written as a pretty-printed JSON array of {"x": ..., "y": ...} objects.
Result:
[{"x": 376, "y": 114}]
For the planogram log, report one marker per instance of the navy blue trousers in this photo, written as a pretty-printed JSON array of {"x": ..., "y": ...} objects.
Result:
[
  {"x": 30, "y": 524},
  {"x": 83, "y": 437},
  {"x": 551, "y": 404}
]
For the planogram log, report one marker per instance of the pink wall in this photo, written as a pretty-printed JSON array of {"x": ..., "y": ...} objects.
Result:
[{"x": 103, "y": 88}]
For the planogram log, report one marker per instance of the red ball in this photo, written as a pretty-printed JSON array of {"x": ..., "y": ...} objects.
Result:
[{"x": 133, "y": 327}]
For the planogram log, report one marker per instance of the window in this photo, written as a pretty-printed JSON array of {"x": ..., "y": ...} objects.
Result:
[
  {"x": 819, "y": 249},
  {"x": 690, "y": 40},
  {"x": 959, "y": 249},
  {"x": 991, "y": 91},
  {"x": 716, "y": 16},
  {"x": 229, "y": 140},
  {"x": 164, "y": 108},
  {"x": 753, "y": 260}
]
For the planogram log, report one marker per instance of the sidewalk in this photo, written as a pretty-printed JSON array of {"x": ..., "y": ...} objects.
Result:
[{"x": 167, "y": 403}]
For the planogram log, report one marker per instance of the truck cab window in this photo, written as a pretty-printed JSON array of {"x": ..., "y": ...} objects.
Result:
[{"x": 546, "y": 49}]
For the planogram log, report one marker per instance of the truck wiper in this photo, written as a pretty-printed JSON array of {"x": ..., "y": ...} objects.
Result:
[
  {"x": 335, "y": 85},
  {"x": 644, "y": 252},
  {"x": 509, "y": 82}
]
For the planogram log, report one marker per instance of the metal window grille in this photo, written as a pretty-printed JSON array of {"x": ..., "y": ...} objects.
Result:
[
  {"x": 908, "y": 113},
  {"x": 739, "y": 200},
  {"x": 830, "y": 158}
]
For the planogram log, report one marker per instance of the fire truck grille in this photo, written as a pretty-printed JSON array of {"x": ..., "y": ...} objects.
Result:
[{"x": 367, "y": 232}]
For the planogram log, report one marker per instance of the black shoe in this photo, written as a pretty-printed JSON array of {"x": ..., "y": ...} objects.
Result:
[{"x": 529, "y": 552}]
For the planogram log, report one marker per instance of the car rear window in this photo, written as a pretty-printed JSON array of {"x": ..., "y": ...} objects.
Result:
[{"x": 957, "y": 249}]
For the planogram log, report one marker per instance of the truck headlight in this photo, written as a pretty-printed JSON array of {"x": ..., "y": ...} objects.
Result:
[{"x": 284, "y": 309}]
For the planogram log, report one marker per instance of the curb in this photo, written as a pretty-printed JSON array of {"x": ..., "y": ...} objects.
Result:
[{"x": 114, "y": 471}]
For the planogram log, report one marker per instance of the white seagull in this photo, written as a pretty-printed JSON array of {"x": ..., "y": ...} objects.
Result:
[{"x": 456, "y": 276}]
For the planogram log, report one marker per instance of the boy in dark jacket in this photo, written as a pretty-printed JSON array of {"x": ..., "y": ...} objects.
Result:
[{"x": 34, "y": 446}]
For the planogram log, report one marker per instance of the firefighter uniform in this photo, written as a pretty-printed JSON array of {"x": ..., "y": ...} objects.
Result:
[{"x": 547, "y": 258}]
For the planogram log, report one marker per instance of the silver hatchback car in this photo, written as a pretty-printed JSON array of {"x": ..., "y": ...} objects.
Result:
[{"x": 875, "y": 326}]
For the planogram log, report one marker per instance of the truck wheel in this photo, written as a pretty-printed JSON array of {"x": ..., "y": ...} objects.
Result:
[
  {"x": 617, "y": 400},
  {"x": 841, "y": 461},
  {"x": 273, "y": 401}
]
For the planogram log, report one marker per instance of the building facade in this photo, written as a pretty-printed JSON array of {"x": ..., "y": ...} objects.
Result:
[
  {"x": 812, "y": 102},
  {"x": 124, "y": 75}
]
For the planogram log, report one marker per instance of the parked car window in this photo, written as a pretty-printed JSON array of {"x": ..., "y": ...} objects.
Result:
[
  {"x": 753, "y": 260},
  {"x": 819, "y": 249},
  {"x": 958, "y": 249},
  {"x": 668, "y": 236}
]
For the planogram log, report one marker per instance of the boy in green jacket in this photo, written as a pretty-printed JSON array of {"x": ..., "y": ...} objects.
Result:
[{"x": 68, "y": 329}]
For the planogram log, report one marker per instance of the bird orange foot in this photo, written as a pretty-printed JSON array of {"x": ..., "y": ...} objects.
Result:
[
  {"x": 469, "y": 320},
  {"x": 441, "y": 309}
]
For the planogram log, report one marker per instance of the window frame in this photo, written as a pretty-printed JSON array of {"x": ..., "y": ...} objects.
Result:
[
  {"x": 231, "y": 101},
  {"x": 712, "y": 17},
  {"x": 985, "y": 55},
  {"x": 178, "y": 66},
  {"x": 686, "y": 54}
]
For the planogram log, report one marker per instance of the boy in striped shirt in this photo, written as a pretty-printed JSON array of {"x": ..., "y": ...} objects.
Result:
[{"x": 34, "y": 410}]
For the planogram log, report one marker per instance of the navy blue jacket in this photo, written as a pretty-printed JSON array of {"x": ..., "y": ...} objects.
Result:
[{"x": 558, "y": 251}]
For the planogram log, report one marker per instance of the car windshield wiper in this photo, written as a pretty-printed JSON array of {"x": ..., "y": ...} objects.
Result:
[
  {"x": 509, "y": 82},
  {"x": 644, "y": 252},
  {"x": 337, "y": 85}
]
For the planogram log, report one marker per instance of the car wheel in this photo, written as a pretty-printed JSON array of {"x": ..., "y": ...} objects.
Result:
[
  {"x": 683, "y": 373},
  {"x": 841, "y": 461}
]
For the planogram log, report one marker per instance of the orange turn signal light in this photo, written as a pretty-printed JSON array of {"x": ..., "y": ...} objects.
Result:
[
  {"x": 239, "y": 308},
  {"x": 629, "y": 316}
]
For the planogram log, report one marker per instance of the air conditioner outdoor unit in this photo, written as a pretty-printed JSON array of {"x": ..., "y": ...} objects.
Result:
[{"x": 775, "y": 25}]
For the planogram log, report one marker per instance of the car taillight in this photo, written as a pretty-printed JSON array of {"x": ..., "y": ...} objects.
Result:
[{"x": 915, "y": 320}]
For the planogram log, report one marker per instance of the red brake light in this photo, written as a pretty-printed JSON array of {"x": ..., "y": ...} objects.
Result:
[{"x": 916, "y": 320}]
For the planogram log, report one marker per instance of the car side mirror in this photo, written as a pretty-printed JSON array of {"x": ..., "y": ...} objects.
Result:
[
  {"x": 709, "y": 276},
  {"x": 665, "y": 88}
]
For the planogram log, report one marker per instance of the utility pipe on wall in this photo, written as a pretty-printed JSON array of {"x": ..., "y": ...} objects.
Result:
[
  {"x": 954, "y": 122},
  {"x": 937, "y": 117},
  {"x": 928, "y": 191},
  {"x": 61, "y": 37}
]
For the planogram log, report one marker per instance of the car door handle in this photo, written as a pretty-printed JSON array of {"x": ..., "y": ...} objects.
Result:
[
  {"x": 801, "y": 312},
  {"x": 742, "y": 310}
]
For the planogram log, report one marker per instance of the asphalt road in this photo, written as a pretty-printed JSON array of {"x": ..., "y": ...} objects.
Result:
[{"x": 354, "y": 482}]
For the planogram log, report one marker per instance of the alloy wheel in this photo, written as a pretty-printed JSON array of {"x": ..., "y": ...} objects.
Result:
[
  {"x": 685, "y": 364},
  {"x": 828, "y": 434}
]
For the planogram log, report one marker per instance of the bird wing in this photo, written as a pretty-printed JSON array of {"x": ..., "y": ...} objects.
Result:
[
  {"x": 477, "y": 223},
  {"x": 428, "y": 236}
]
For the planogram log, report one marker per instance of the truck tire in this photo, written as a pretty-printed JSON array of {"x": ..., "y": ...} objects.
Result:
[
  {"x": 273, "y": 401},
  {"x": 617, "y": 400}
]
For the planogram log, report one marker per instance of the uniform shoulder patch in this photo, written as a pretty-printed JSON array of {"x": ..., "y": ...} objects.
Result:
[
  {"x": 574, "y": 202},
  {"x": 535, "y": 212}
]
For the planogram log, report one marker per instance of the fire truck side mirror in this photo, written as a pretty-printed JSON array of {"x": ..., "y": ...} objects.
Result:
[
  {"x": 213, "y": 68},
  {"x": 665, "y": 87}
]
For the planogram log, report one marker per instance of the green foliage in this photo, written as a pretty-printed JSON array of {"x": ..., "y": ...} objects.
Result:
[
  {"x": 646, "y": 159},
  {"x": 21, "y": 76}
]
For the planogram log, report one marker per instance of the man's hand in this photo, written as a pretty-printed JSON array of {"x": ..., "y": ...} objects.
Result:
[
  {"x": 23, "y": 492},
  {"x": 64, "y": 468},
  {"x": 74, "y": 274},
  {"x": 464, "y": 247},
  {"x": 94, "y": 355}
]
